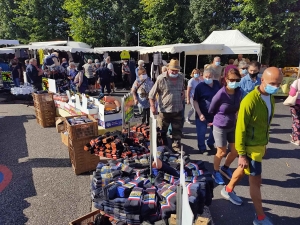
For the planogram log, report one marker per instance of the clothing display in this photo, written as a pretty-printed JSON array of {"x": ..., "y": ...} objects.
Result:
[{"x": 123, "y": 189}]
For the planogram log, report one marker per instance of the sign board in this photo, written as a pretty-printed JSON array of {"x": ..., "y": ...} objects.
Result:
[
  {"x": 52, "y": 85},
  {"x": 127, "y": 108},
  {"x": 186, "y": 213}
]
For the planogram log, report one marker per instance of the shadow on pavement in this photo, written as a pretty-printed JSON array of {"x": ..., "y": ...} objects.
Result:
[
  {"x": 14, "y": 147},
  {"x": 275, "y": 153},
  {"x": 14, "y": 154}
]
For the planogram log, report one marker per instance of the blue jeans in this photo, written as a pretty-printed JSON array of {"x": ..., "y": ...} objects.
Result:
[
  {"x": 16, "y": 82},
  {"x": 170, "y": 126},
  {"x": 201, "y": 127}
]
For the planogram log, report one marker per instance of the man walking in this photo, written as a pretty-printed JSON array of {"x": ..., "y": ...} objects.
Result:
[
  {"x": 170, "y": 89},
  {"x": 251, "y": 80},
  {"x": 34, "y": 75},
  {"x": 252, "y": 136},
  {"x": 88, "y": 72}
]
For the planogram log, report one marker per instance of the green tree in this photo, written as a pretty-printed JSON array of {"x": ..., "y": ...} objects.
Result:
[
  {"x": 105, "y": 23},
  {"x": 208, "y": 16},
  {"x": 40, "y": 20},
  {"x": 276, "y": 25},
  {"x": 9, "y": 29},
  {"x": 164, "y": 21}
]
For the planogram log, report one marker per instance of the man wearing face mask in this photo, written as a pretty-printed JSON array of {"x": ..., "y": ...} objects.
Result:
[
  {"x": 216, "y": 66},
  {"x": 170, "y": 89},
  {"x": 251, "y": 80},
  {"x": 251, "y": 137}
]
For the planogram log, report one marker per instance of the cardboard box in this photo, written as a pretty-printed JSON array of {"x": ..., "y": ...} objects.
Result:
[
  {"x": 60, "y": 124},
  {"x": 110, "y": 120},
  {"x": 83, "y": 106},
  {"x": 65, "y": 139}
]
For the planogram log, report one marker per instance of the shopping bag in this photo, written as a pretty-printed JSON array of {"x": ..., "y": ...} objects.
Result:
[{"x": 291, "y": 100}]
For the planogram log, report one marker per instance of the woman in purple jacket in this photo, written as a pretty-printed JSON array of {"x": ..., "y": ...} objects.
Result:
[{"x": 224, "y": 106}]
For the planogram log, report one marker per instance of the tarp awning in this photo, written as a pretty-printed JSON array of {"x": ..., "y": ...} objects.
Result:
[
  {"x": 102, "y": 50},
  {"x": 189, "y": 49},
  {"x": 73, "y": 44},
  {"x": 234, "y": 42},
  {"x": 9, "y": 42},
  {"x": 7, "y": 51},
  {"x": 61, "y": 48}
]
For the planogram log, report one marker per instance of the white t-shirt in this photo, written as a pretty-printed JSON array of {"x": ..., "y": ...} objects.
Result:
[
  {"x": 267, "y": 100},
  {"x": 111, "y": 67},
  {"x": 193, "y": 84}
]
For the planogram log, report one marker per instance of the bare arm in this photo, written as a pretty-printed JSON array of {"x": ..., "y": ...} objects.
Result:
[{"x": 188, "y": 94}]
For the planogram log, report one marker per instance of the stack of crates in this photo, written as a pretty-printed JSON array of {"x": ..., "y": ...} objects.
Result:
[{"x": 44, "y": 109}]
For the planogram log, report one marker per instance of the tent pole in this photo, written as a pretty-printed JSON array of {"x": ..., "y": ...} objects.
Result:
[
  {"x": 179, "y": 58},
  {"x": 184, "y": 63},
  {"x": 197, "y": 62}
]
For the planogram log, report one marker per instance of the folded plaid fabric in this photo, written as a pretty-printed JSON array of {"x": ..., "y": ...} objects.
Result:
[
  {"x": 133, "y": 219},
  {"x": 149, "y": 201},
  {"x": 133, "y": 202}
]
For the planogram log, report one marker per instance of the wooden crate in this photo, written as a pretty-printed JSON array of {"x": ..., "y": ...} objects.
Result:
[
  {"x": 82, "y": 161},
  {"x": 84, "y": 220},
  {"x": 82, "y": 131},
  {"x": 45, "y": 122},
  {"x": 41, "y": 98}
]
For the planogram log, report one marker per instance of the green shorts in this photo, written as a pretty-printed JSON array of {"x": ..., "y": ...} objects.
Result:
[{"x": 254, "y": 155}]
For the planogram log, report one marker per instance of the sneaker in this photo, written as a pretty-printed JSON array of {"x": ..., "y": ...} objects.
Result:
[
  {"x": 226, "y": 172},
  {"x": 188, "y": 121},
  {"x": 265, "y": 221},
  {"x": 218, "y": 178},
  {"x": 231, "y": 196}
]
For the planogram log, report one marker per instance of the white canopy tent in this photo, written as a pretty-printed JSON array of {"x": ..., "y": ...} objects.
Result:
[
  {"x": 9, "y": 42},
  {"x": 61, "y": 48},
  {"x": 102, "y": 50},
  {"x": 7, "y": 51},
  {"x": 234, "y": 42},
  {"x": 189, "y": 49}
]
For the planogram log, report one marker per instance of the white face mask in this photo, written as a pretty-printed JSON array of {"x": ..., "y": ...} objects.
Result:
[
  {"x": 125, "y": 63},
  {"x": 142, "y": 77}
]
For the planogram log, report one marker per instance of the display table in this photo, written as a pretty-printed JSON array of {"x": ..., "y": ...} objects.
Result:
[
  {"x": 285, "y": 86},
  {"x": 101, "y": 130}
]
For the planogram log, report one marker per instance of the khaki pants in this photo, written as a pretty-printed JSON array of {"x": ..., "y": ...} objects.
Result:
[{"x": 175, "y": 119}]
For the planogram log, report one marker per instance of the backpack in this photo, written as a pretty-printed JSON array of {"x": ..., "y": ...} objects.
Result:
[{"x": 48, "y": 61}]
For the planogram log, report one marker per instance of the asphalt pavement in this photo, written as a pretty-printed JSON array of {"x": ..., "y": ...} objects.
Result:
[{"x": 45, "y": 190}]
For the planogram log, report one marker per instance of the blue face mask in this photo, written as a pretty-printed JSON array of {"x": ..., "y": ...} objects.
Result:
[
  {"x": 217, "y": 63},
  {"x": 245, "y": 71},
  {"x": 208, "y": 80},
  {"x": 233, "y": 85},
  {"x": 173, "y": 75},
  {"x": 271, "y": 89},
  {"x": 196, "y": 75}
]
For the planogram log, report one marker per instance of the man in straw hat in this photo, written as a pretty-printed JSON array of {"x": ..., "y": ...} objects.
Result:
[{"x": 169, "y": 87}]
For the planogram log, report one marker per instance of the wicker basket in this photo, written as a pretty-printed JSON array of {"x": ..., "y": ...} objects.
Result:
[
  {"x": 82, "y": 131},
  {"x": 44, "y": 109},
  {"x": 82, "y": 161}
]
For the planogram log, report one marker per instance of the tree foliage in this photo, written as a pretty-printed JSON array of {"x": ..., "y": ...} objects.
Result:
[
  {"x": 40, "y": 20},
  {"x": 103, "y": 23},
  {"x": 275, "y": 24},
  {"x": 164, "y": 21}
]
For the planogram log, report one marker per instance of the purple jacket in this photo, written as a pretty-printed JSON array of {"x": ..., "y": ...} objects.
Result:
[{"x": 224, "y": 108}]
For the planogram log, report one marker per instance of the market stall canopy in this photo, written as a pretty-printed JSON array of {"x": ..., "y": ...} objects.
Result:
[
  {"x": 7, "y": 51},
  {"x": 9, "y": 42},
  {"x": 102, "y": 50},
  {"x": 61, "y": 48},
  {"x": 73, "y": 44},
  {"x": 189, "y": 49},
  {"x": 234, "y": 42}
]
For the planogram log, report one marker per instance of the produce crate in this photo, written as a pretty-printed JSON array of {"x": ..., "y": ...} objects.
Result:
[
  {"x": 82, "y": 161},
  {"x": 84, "y": 220},
  {"x": 46, "y": 122},
  {"x": 49, "y": 114},
  {"x": 41, "y": 98},
  {"x": 44, "y": 106},
  {"x": 82, "y": 131}
]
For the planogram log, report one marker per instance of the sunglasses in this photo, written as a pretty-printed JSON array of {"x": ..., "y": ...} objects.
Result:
[{"x": 234, "y": 80}]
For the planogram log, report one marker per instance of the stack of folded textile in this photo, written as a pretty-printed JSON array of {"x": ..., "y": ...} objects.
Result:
[{"x": 123, "y": 188}]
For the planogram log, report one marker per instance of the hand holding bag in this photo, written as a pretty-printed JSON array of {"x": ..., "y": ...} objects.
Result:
[{"x": 291, "y": 100}]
